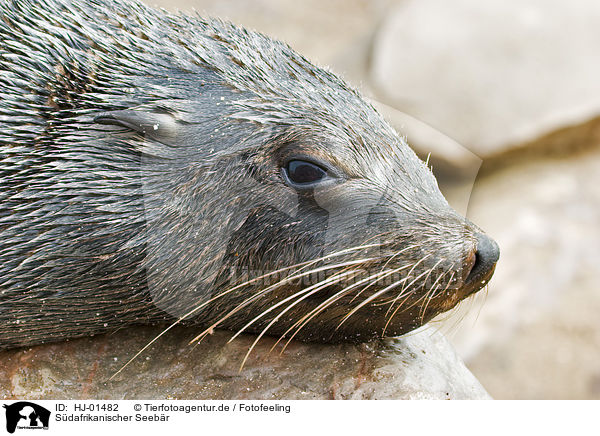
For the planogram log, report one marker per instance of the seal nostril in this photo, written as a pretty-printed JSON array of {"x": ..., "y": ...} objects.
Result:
[
  {"x": 477, "y": 261},
  {"x": 486, "y": 256},
  {"x": 468, "y": 265}
]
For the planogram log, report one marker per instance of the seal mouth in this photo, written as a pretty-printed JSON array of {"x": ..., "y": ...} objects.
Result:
[{"x": 484, "y": 264}]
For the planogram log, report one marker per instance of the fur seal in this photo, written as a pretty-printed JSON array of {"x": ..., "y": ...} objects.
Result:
[{"x": 158, "y": 167}]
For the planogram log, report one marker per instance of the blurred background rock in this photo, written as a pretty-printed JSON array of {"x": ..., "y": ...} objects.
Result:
[{"x": 516, "y": 83}]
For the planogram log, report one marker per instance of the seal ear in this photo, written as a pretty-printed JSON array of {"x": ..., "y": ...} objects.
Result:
[{"x": 158, "y": 126}]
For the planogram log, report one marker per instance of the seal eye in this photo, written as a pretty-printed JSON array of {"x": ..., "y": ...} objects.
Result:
[{"x": 301, "y": 172}]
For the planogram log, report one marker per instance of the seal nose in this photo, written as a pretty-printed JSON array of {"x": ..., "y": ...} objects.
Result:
[{"x": 485, "y": 258}]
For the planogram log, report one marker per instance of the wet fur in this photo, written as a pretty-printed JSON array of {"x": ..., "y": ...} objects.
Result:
[{"x": 140, "y": 157}]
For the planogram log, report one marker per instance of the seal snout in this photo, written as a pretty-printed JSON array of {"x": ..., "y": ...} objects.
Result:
[{"x": 482, "y": 261}]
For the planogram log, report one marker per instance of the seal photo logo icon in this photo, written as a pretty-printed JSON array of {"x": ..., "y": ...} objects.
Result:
[{"x": 26, "y": 415}]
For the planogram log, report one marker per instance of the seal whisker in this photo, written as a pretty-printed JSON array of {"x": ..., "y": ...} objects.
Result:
[
  {"x": 393, "y": 299},
  {"x": 239, "y": 286},
  {"x": 430, "y": 295},
  {"x": 401, "y": 303},
  {"x": 384, "y": 266},
  {"x": 412, "y": 269},
  {"x": 406, "y": 290},
  {"x": 313, "y": 289},
  {"x": 402, "y": 291},
  {"x": 322, "y": 306},
  {"x": 283, "y": 281},
  {"x": 396, "y": 254},
  {"x": 306, "y": 291},
  {"x": 451, "y": 315},
  {"x": 444, "y": 290},
  {"x": 423, "y": 297},
  {"x": 426, "y": 278},
  {"x": 485, "y": 295},
  {"x": 270, "y": 288},
  {"x": 381, "y": 292},
  {"x": 379, "y": 277}
]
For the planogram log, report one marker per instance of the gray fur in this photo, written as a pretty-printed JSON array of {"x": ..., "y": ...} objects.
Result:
[{"x": 140, "y": 157}]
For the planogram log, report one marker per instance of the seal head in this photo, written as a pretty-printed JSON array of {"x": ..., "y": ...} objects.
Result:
[{"x": 180, "y": 168}]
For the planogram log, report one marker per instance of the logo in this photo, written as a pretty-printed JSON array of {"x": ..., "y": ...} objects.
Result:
[{"x": 26, "y": 415}]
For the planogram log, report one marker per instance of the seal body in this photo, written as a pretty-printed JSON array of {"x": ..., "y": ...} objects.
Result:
[{"x": 158, "y": 167}]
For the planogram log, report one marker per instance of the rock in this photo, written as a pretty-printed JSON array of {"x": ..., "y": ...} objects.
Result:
[
  {"x": 415, "y": 367},
  {"x": 535, "y": 334},
  {"x": 492, "y": 74}
]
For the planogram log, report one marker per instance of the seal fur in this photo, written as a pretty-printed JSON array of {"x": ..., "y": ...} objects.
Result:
[{"x": 142, "y": 164}]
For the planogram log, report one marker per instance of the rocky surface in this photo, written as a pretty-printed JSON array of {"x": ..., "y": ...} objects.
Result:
[
  {"x": 492, "y": 74},
  {"x": 536, "y": 334},
  {"x": 420, "y": 366}
]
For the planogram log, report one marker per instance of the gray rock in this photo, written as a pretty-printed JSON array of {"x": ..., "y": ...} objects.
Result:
[
  {"x": 419, "y": 366},
  {"x": 535, "y": 334},
  {"x": 491, "y": 74}
]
